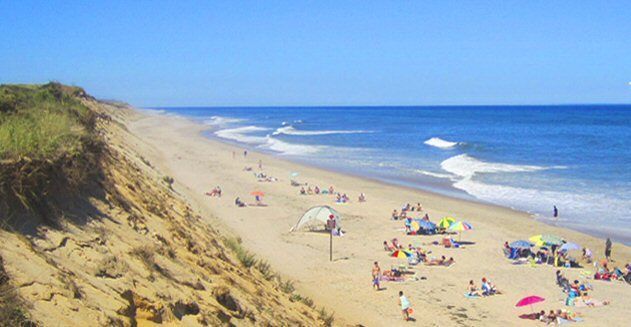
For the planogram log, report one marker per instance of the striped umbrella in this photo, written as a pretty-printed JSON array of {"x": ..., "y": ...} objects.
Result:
[
  {"x": 459, "y": 227},
  {"x": 401, "y": 254}
]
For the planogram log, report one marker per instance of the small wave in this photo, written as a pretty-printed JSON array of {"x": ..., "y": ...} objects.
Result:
[
  {"x": 466, "y": 167},
  {"x": 289, "y": 148},
  {"x": 440, "y": 143},
  {"x": 240, "y": 134},
  {"x": 221, "y": 121},
  {"x": 290, "y": 130},
  {"x": 432, "y": 174}
]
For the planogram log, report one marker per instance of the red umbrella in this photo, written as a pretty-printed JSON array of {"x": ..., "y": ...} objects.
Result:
[
  {"x": 257, "y": 193},
  {"x": 529, "y": 300}
]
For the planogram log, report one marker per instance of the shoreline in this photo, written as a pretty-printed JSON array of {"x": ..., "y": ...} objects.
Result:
[
  {"x": 176, "y": 146},
  {"x": 207, "y": 132}
]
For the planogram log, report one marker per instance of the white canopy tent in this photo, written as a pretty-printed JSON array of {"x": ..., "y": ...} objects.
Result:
[{"x": 315, "y": 219}]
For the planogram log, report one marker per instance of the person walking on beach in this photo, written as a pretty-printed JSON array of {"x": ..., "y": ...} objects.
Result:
[
  {"x": 245, "y": 153},
  {"x": 376, "y": 275},
  {"x": 556, "y": 212},
  {"x": 608, "y": 249},
  {"x": 405, "y": 306},
  {"x": 260, "y": 164}
]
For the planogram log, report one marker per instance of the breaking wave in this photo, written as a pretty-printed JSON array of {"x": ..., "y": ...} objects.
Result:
[
  {"x": 290, "y": 130},
  {"x": 440, "y": 143}
]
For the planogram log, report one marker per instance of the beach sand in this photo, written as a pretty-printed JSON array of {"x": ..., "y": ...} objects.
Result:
[{"x": 175, "y": 145}]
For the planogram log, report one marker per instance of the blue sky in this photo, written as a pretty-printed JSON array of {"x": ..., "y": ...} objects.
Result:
[{"x": 157, "y": 53}]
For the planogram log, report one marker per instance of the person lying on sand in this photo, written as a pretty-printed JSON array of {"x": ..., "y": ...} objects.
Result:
[
  {"x": 472, "y": 290},
  {"x": 247, "y": 168},
  {"x": 590, "y": 302},
  {"x": 214, "y": 192},
  {"x": 440, "y": 262}
]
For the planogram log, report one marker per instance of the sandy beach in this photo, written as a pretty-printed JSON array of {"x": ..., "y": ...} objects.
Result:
[{"x": 175, "y": 145}]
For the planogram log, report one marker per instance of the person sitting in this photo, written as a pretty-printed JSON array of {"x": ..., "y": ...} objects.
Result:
[
  {"x": 395, "y": 243},
  {"x": 387, "y": 247},
  {"x": 472, "y": 290},
  {"x": 309, "y": 190},
  {"x": 426, "y": 217},
  {"x": 331, "y": 191},
  {"x": 362, "y": 197},
  {"x": 419, "y": 207},
  {"x": 395, "y": 215},
  {"x": 488, "y": 288},
  {"x": 587, "y": 255},
  {"x": 562, "y": 281},
  {"x": 551, "y": 318},
  {"x": 239, "y": 203},
  {"x": 302, "y": 190},
  {"x": 449, "y": 262},
  {"x": 316, "y": 190}
]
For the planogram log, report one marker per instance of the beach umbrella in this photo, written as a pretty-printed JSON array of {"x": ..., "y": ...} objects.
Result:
[
  {"x": 446, "y": 222},
  {"x": 521, "y": 244},
  {"x": 401, "y": 254},
  {"x": 570, "y": 247},
  {"x": 459, "y": 227},
  {"x": 257, "y": 193},
  {"x": 529, "y": 300},
  {"x": 546, "y": 239},
  {"x": 425, "y": 224},
  {"x": 415, "y": 226}
]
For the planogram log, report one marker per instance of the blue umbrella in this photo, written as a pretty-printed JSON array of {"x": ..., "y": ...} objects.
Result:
[
  {"x": 521, "y": 244},
  {"x": 426, "y": 225},
  {"x": 570, "y": 246}
]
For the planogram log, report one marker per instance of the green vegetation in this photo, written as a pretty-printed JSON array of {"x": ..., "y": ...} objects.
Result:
[
  {"x": 42, "y": 122},
  {"x": 245, "y": 257}
]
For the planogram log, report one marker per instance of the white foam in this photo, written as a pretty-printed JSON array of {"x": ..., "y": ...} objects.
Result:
[
  {"x": 290, "y": 130},
  {"x": 289, "y": 148},
  {"x": 440, "y": 143},
  {"x": 433, "y": 174},
  {"x": 240, "y": 134},
  {"x": 221, "y": 121},
  {"x": 466, "y": 167}
]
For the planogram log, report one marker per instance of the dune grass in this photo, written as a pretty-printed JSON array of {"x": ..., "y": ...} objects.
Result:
[{"x": 41, "y": 122}]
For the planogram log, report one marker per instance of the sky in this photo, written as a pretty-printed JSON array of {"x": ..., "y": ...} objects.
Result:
[{"x": 295, "y": 53}]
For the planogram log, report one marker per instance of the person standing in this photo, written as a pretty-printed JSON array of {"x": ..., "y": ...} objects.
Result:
[
  {"x": 260, "y": 164},
  {"x": 245, "y": 153},
  {"x": 556, "y": 212},
  {"x": 608, "y": 249},
  {"x": 376, "y": 275},
  {"x": 405, "y": 306}
]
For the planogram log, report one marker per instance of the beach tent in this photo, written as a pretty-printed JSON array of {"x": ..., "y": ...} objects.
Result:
[
  {"x": 425, "y": 227},
  {"x": 315, "y": 219}
]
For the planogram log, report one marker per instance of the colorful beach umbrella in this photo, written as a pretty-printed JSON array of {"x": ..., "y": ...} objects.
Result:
[
  {"x": 460, "y": 226},
  {"x": 415, "y": 226},
  {"x": 257, "y": 193},
  {"x": 446, "y": 222},
  {"x": 569, "y": 246},
  {"x": 546, "y": 239},
  {"x": 521, "y": 244},
  {"x": 401, "y": 254},
  {"x": 529, "y": 300}
]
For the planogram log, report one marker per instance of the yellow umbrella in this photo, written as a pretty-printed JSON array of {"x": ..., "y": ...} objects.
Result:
[{"x": 446, "y": 222}]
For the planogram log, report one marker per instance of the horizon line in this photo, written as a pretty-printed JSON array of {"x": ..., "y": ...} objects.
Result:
[{"x": 378, "y": 106}]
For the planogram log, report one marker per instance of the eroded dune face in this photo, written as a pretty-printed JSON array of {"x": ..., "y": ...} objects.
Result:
[{"x": 127, "y": 251}]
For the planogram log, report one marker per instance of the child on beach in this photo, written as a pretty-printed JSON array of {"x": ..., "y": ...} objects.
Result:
[
  {"x": 376, "y": 275},
  {"x": 405, "y": 306}
]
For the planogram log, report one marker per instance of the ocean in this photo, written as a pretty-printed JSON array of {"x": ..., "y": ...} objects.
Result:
[{"x": 530, "y": 158}]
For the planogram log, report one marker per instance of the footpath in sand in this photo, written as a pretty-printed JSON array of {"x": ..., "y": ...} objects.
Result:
[{"x": 198, "y": 164}]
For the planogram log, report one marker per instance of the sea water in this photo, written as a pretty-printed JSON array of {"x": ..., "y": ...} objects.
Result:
[{"x": 530, "y": 158}]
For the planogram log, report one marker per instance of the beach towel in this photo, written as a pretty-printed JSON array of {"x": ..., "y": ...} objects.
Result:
[
  {"x": 565, "y": 321},
  {"x": 469, "y": 296}
]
